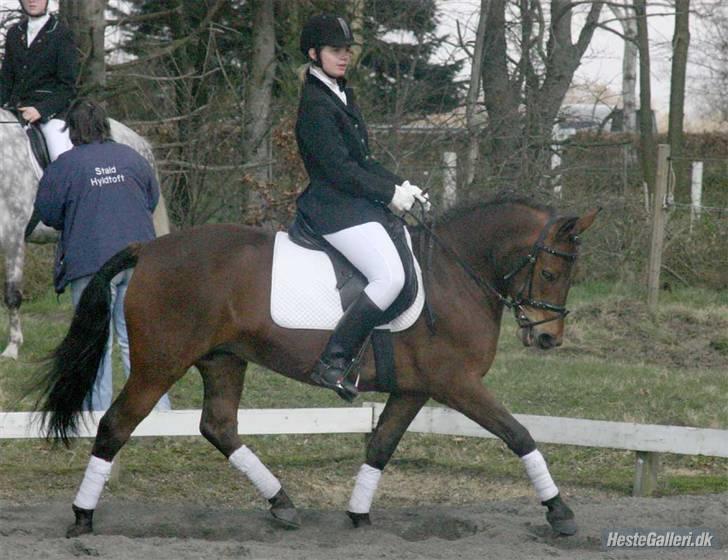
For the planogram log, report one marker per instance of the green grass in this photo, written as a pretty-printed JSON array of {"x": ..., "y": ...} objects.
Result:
[{"x": 617, "y": 363}]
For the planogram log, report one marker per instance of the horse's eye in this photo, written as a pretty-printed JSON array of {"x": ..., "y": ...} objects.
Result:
[{"x": 548, "y": 276}]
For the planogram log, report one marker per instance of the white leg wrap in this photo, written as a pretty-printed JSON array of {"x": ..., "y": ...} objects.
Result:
[
  {"x": 367, "y": 482},
  {"x": 539, "y": 474},
  {"x": 248, "y": 463},
  {"x": 97, "y": 473}
]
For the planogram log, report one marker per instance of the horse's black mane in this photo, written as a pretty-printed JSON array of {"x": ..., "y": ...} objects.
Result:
[{"x": 460, "y": 210}]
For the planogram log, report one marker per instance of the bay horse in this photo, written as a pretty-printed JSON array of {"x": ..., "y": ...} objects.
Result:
[
  {"x": 18, "y": 186},
  {"x": 202, "y": 297}
]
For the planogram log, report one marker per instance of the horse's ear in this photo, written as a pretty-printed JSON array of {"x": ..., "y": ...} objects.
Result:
[
  {"x": 585, "y": 221},
  {"x": 572, "y": 227}
]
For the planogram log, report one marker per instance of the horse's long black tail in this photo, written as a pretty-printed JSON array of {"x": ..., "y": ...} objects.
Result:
[{"x": 74, "y": 363}]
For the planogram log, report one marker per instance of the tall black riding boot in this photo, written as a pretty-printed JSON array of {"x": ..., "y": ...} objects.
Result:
[{"x": 344, "y": 345}]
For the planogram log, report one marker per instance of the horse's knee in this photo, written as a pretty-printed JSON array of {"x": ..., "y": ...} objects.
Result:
[{"x": 13, "y": 295}]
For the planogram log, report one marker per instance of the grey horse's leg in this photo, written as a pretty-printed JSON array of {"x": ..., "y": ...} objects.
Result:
[{"x": 13, "y": 295}]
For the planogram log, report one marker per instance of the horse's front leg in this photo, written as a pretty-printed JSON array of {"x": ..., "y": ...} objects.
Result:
[
  {"x": 13, "y": 296},
  {"x": 478, "y": 404},
  {"x": 396, "y": 417}
]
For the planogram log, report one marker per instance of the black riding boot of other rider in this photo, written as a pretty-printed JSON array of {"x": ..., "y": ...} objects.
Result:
[{"x": 343, "y": 347}]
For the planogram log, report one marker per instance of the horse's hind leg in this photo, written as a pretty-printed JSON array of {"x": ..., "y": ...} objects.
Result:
[
  {"x": 134, "y": 403},
  {"x": 223, "y": 375},
  {"x": 478, "y": 404},
  {"x": 13, "y": 296},
  {"x": 396, "y": 417}
]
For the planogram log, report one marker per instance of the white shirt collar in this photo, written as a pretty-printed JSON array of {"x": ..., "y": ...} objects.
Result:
[
  {"x": 35, "y": 24},
  {"x": 332, "y": 84}
]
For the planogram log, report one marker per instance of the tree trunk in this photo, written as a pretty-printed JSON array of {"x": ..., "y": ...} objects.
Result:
[
  {"x": 647, "y": 135},
  {"x": 630, "y": 54},
  {"x": 680, "y": 44},
  {"x": 502, "y": 98},
  {"x": 87, "y": 21},
  {"x": 472, "y": 120},
  {"x": 259, "y": 90}
]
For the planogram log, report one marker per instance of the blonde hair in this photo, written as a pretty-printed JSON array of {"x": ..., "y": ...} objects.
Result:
[{"x": 302, "y": 71}]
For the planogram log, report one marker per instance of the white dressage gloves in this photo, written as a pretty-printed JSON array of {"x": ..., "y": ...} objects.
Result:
[
  {"x": 405, "y": 196},
  {"x": 402, "y": 200}
]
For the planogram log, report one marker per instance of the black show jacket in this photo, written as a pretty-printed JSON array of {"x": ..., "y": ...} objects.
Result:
[
  {"x": 347, "y": 186},
  {"x": 42, "y": 76}
]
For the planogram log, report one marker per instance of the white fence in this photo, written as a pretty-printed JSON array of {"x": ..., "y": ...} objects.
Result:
[{"x": 645, "y": 439}]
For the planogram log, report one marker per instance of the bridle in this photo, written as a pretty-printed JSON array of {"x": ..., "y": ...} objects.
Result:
[{"x": 523, "y": 297}]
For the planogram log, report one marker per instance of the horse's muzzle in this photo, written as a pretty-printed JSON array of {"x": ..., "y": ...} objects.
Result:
[{"x": 530, "y": 336}]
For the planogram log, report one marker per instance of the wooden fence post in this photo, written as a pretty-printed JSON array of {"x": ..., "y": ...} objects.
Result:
[
  {"x": 647, "y": 465},
  {"x": 659, "y": 219}
]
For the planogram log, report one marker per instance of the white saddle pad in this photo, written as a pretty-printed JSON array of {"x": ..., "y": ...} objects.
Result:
[{"x": 304, "y": 294}]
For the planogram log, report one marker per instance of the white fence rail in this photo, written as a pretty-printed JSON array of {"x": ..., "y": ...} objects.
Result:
[{"x": 646, "y": 439}]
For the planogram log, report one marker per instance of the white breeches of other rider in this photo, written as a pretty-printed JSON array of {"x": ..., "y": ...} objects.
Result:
[
  {"x": 370, "y": 249},
  {"x": 57, "y": 139}
]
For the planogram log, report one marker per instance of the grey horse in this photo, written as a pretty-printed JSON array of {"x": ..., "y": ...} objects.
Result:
[{"x": 18, "y": 185}]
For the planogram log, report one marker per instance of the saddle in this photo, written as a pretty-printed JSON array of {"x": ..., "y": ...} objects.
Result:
[
  {"x": 38, "y": 145},
  {"x": 350, "y": 283}
]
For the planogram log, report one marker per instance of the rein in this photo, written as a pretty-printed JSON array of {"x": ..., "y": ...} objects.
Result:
[{"x": 519, "y": 301}]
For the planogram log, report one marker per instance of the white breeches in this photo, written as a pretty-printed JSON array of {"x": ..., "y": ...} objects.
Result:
[
  {"x": 370, "y": 249},
  {"x": 57, "y": 139}
]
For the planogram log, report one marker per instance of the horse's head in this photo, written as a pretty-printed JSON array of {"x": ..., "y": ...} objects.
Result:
[{"x": 539, "y": 282}]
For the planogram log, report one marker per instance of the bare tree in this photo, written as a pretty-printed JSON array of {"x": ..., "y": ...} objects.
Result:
[{"x": 523, "y": 95}]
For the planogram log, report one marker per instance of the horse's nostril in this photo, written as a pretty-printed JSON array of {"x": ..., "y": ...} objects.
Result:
[{"x": 546, "y": 341}]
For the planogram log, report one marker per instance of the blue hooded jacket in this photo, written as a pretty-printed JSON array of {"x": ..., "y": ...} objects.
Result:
[{"x": 101, "y": 196}]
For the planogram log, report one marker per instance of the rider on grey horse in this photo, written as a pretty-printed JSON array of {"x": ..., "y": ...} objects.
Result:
[{"x": 39, "y": 71}]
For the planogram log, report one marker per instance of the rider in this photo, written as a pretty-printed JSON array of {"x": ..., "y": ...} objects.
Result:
[
  {"x": 39, "y": 71},
  {"x": 350, "y": 197}
]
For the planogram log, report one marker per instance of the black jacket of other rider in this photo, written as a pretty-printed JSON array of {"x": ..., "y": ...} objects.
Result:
[
  {"x": 347, "y": 186},
  {"x": 42, "y": 75}
]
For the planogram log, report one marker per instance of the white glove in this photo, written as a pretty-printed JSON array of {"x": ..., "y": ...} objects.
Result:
[
  {"x": 402, "y": 200},
  {"x": 416, "y": 191}
]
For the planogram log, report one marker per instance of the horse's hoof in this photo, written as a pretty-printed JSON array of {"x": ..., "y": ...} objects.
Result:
[
  {"x": 560, "y": 516},
  {"x": 83, "y": 525},
  {"x": 359, "y": 519},
  {"x": 283, "y": 510}
]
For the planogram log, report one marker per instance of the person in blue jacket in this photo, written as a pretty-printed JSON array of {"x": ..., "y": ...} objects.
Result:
[
  {"x": 351, "y": 198},
  {"x": 39, "y": 73},
  {"x": 101, "y": 196}
]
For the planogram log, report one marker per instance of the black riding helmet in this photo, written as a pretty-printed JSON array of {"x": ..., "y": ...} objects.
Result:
[
  {"x": 22, "y": 7},
  {"x": 325, "y": 30}
]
